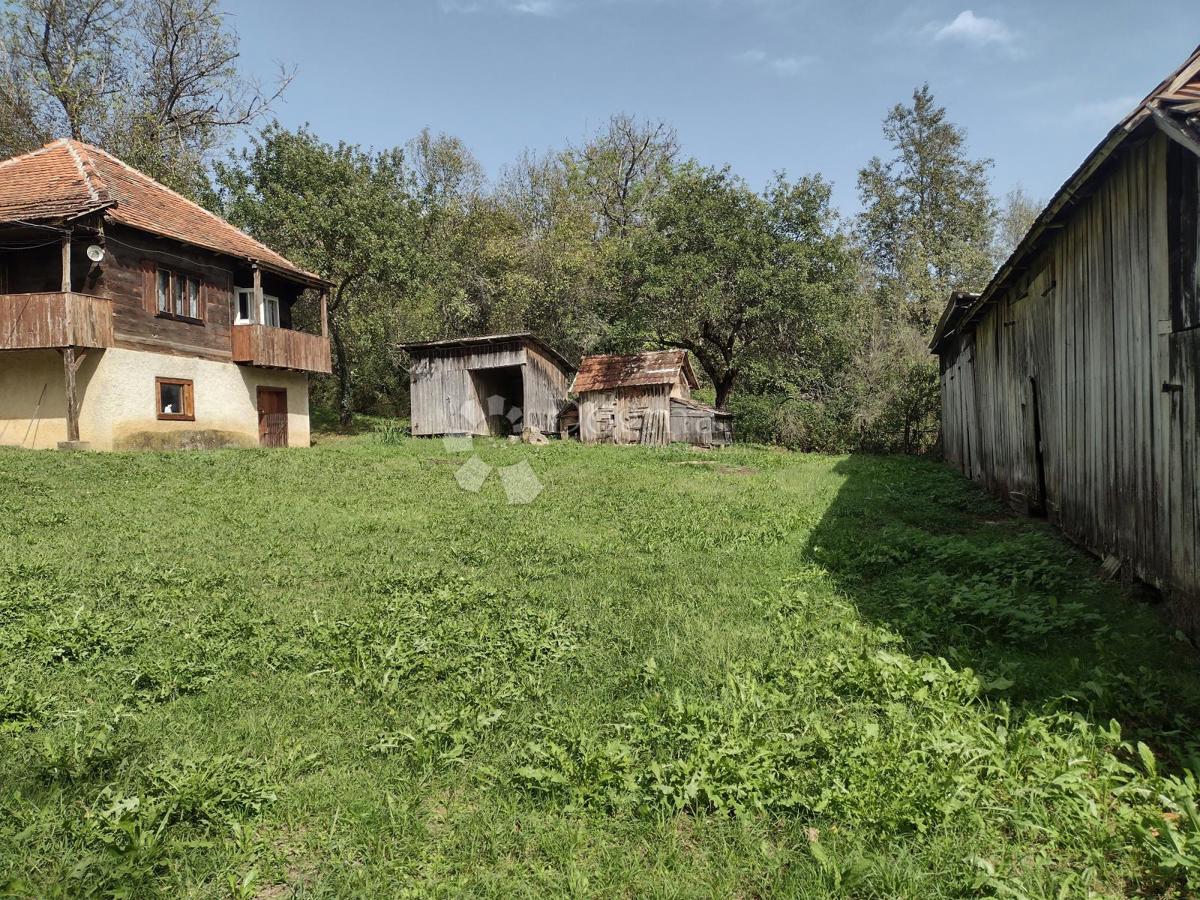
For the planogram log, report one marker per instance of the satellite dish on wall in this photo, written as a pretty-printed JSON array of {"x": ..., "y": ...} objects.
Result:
[{"x": 95, "y": 252}]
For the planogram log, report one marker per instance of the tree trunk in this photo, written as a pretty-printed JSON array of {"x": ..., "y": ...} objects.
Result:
[
  {"x": 724, "y": 388},
  {"x": 343, "y": 373}
]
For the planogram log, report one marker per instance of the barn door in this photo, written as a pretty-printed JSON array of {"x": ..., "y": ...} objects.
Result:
[
  {"x": 1037, "y": 493},
  {"x": 272, "y": 417}
]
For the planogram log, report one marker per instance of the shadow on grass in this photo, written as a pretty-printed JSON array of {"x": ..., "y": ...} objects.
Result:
[
  {"x": 324, "y": 422},
  {"x": 926, "y": 554}
]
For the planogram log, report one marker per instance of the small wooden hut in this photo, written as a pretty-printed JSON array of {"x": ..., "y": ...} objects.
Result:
[
  {"x": 645, "y": 398},
  {"x": 493, "y": 384}
]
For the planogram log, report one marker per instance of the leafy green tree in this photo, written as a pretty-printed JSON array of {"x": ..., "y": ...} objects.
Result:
[
  {"x": 927, "y": 219},
  {"x": 926, "y": 229},
  {"x": 739, "y": 279},
  {"x": 343, "y": 212},
  {"x": 1014, "y": 221}
]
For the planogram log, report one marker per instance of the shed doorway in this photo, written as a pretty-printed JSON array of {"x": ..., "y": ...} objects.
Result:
[{"x": 501, "y": 395}]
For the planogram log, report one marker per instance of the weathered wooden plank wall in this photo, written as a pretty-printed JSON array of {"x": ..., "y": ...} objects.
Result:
[
  {"x": 49, "y": 320},
  {"x": 445, "y": 400},
  {"x": 699, "y": 426},
  {"x": 638, "y": 414},
  {"x": 1088, "y": 338}
]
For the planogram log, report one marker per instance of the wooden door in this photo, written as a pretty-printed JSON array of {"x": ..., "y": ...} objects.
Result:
[{"x": 272, "y": 417}]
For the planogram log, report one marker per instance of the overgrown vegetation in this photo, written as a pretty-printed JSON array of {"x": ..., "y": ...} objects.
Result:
[
  {"x": 812, "y": 327},
  {"x": 333, "y": 672}
]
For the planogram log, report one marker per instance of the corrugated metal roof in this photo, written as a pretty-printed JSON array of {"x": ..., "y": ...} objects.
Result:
[
  {"x": 67, "y": 179},
  {"x": 605, "y": 373}
]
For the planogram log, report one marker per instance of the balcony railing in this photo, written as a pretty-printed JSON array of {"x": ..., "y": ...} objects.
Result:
[
  {"x": 53, "y": 320},
  {"x": 281, "y": 348}
]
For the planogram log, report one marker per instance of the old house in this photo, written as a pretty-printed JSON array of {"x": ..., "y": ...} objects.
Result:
[
  {"x": 493, "y": 384},
  {"x": 645, "y": 398},
  {"x": 133, "y": 318},
  {"x": 1071, "y": 384}
]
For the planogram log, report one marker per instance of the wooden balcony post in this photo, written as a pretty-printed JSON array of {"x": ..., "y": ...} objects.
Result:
[
  {"x": 324, "y": 312},
  {"x": 70, "y": 366},
  {"x": 258, "y": 296},
  {"x": 66, "y": 263}
]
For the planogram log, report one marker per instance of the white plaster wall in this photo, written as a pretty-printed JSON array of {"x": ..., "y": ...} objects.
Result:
[{"x": 118, "y": 402}]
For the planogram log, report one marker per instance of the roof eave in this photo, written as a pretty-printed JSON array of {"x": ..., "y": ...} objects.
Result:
[
  {"x": 1064, "y": 197},
  {"x": 524, "y": 337},
  {"x": 1148, "y": 110}
]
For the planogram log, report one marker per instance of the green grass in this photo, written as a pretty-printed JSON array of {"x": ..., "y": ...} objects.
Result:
[{"x": 334, "y": 673}]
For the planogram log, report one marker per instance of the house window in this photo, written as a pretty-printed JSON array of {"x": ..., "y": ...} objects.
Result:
[
  {"x": 178, "y": 295},
  {"x": 164, "y": 291},
  {"x": 193, "y": 298},
  {"x": 174, "y": 399},
  {"x": 246, "y": 312},
  {"x": 243, "y": 314}
]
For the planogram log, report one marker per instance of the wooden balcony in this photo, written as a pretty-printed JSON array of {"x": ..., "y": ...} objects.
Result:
[
  {"x": 54, "y": 320},
  {"x": 281, "y": 348}
]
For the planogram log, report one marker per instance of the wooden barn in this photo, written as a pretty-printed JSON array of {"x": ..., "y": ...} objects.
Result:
[
  {"x": 645, "y": 398},
  {"x": 1071, "y": 384},
  {"x": 495, "y": 384}
]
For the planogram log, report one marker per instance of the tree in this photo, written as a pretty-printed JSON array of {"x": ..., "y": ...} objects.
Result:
[
  {"x": 65, "y": 69},
  {"x": 1018, "y": 215},
  {"x": 926, "y": 224},
  {"x": 154, "y": 81},
  {"x": 621, "y": 170},
  {"x": 737, "y": 278},
  {"x": 341, "y": 211}
]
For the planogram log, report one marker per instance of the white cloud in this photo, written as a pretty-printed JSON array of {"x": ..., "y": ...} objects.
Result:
[
  {"x": 516, "y": 7},
  {"x": 781, "y": 65},
  {"x": 972, "y": 29}
]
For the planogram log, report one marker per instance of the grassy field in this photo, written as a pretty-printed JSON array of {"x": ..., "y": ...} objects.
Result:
[{"x": 336, "y": 673}]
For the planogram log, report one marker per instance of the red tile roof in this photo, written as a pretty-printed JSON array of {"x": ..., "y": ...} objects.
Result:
[
  {"x": 604, "y": 373},
  {"x": 66, "y": 179}
]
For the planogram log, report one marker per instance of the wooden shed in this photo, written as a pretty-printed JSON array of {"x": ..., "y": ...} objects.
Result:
[
  {"x": 493, "y": 384},
  {"x": 645, "y": 398},
  {"x": 1071, "y": 384}
]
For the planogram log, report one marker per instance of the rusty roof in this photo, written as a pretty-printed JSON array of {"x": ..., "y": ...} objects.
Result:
[
  {"x": 1173, "y": 107},
  {"x": 67, "y": 179},
  {"x": 703, "y": 407},
  {"x": 604, "y": 373}
]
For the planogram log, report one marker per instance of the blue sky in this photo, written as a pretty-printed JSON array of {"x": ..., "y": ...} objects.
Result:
[{"x": 763, "y": 85}]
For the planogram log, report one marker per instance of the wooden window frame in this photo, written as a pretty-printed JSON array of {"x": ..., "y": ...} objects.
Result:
[
  {"x": 187, "y": 394},
  {"x": 271, "y": 301},
  {"x": 174, "y": 277}
]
